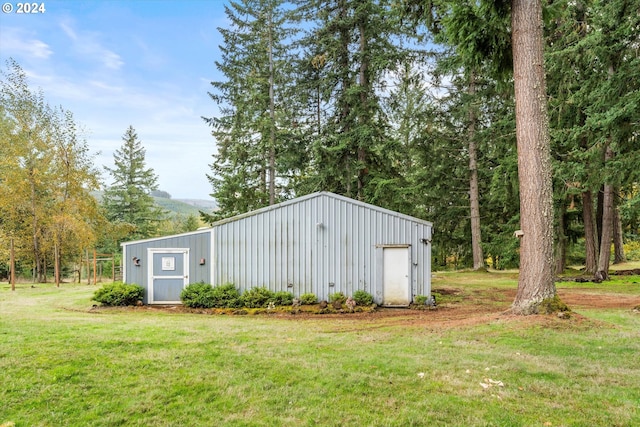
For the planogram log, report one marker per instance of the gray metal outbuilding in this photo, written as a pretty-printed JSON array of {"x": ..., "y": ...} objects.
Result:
[{"x": 320, "y": 243}]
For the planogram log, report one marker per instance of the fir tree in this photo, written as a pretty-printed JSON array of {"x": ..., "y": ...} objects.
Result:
[
  {"x": 351, "y": 49},
  {"x": 253, "y": 129},
  {"x": 128, "y": 199}
]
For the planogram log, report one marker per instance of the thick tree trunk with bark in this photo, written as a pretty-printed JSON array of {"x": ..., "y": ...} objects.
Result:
[
  {"x": 602, "y": 272},
  {"x": 476, "y": 235},
  {"x": 536, "y": 281},
  {"x": 590, "y": 234}
]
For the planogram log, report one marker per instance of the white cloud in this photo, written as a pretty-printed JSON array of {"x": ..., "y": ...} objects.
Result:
[
  {"x": 88, "y": 44},
  {"x": 16, "y": 41}
]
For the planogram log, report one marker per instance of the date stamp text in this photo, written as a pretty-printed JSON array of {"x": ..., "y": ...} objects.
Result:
[{"x": 32, "y": 8}]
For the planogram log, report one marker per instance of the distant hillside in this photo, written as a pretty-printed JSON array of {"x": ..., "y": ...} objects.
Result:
[
  {"x": 178, "y": 207},
  {"x": 183, "y": 207},
  {"x": 210, "y": 205}
]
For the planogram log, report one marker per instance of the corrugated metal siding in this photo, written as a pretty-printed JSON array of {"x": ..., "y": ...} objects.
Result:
[
  {"x": 198, "y": 243},
  {"x": 321, "y": 244}
]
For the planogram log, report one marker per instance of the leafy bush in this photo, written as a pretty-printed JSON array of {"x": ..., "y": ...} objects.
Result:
[
  {"x": 337, "y": 297},
  {"x": 308, "y": 298},
  {"x": 118, "y": 293},
  {"x": 197, "y": 295},
  {"x": 282, "y": 298},
  {"x": 226, "y": 296},
  {"x": 632, "y": 250},
  {"x": 362, "y": 298},
  {"x": 256, "y": 297}
]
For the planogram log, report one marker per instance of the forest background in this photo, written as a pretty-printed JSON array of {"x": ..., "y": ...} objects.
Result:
[{"x": 406, "y": 105}]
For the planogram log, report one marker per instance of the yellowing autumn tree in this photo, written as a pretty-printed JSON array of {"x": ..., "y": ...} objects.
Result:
[{"x": 46, "y": 176}]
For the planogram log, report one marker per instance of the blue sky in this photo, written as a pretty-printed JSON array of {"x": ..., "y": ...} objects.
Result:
[{"x": 115, "y": 63}]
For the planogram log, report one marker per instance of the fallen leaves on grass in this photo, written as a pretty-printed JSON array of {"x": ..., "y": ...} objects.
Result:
[{"x": 488, "y": 383}]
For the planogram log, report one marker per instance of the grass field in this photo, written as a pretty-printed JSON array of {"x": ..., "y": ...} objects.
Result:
[{"x": 65, "y": 363}]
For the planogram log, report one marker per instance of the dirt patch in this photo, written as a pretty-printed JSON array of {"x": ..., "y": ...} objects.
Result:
[
  {"x": 585, "y": 298},
  {"x": 462, "y": 309}
]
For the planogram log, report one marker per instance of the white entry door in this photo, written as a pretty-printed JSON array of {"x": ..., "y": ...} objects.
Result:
[
  {"x": 396, "y": 276},
  {"x": 168, "y": 275}
]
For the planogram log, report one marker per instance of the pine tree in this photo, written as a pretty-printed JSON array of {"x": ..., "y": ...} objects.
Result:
[{"x": 128, "y": 199}]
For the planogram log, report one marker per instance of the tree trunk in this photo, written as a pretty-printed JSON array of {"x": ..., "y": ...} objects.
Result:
[
  {"x": 607, "y": 226},
  {"x": 599, "y": 210},
  {"x": 590, "y": 238},
  {"x": 476, "y": 235},
  {"x": 56, "y": 264},
  {"x": 536, "y": 280},
  {"x": 618, "y": 237},
  {"x": 561, "y": 241},
  {"x": 12, "y": 266}
]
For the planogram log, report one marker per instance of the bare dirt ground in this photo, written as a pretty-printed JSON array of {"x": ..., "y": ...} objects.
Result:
[{"x": 464, "y": 309}]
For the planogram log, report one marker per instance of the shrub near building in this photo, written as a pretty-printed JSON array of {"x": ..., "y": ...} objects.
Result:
[
  {"x": 119, "y": 294},
  {"x": 203, "y": 295}
]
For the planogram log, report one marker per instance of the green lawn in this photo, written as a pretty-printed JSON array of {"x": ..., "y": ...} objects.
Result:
[{"x": 63, "y": 363}]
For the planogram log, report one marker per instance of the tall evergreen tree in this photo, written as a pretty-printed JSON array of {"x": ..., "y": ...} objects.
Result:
[
  {"x": 536, "y": 279},
  {"x": 474, "y": 61},
  {"x": 128, "y": 199},
  {"x": 467, "y": 33},
  {"x": 351, "y": 48},
  {"x": 252, "y": 132},
  {"x": 594, "y": 72}
]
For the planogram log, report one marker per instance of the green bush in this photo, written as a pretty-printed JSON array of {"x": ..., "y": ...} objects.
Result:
[
  {"x": 256, "y": 297},
  {"x": 308, "y": 298},
  {"x": 117, "y": 294},
  {"x": 197, "y": 295},
  {"x": 337, "y": 297},
  {"x": 282, "y": 298},
  {"x": 226, "y": 296},
  {"x": 632, "y": 250},
  {"x": 362, "y": 298}
]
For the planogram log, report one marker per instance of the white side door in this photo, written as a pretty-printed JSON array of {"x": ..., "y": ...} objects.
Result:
[
  {"x": 396, "y": 276},
  {"x": 168, "y": 274}
]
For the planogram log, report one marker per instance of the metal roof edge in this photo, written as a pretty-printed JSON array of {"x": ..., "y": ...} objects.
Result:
[
  {"x": 268, "y": 208},
  {"x": 376, "y": 208},
  {"x": 284, "y": 204},
  {"x": 319, "y": 194},
  {"x": 152, "y": 239}
]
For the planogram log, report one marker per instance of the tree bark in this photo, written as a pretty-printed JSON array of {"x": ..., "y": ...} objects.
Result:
[
  {"x": 536, "y": 280},
  {"x": 618, "y": 236},
  {"x": 561, "y": 240},
  {"x": 602, "y": 272},
  {"x": 599, "y": 210},
  {"x": 474, "y": 203},
  {"x": 12, "y": 266},
  {"x": 56, "y": 264},
  {"x": 590, "y": 237}
]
